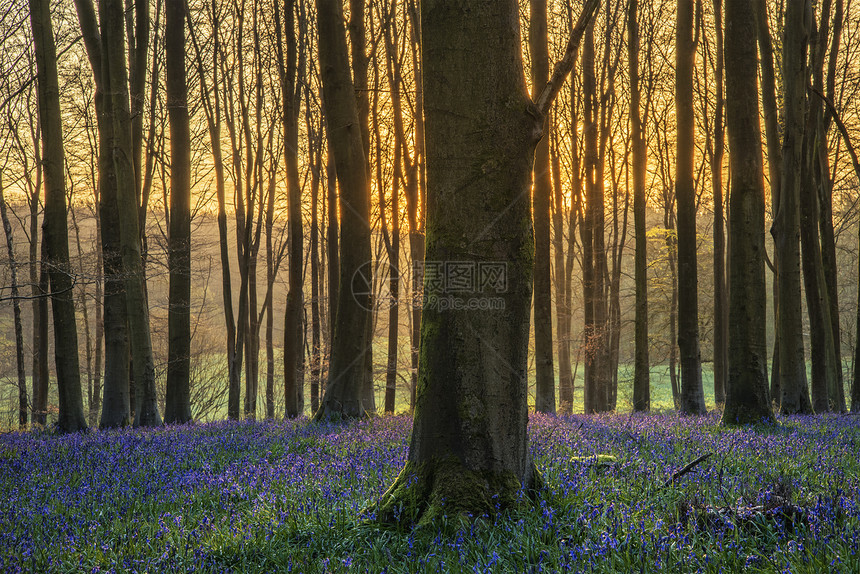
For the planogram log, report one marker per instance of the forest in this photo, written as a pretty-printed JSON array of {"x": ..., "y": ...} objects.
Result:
[{"x": 425, "y": 285}]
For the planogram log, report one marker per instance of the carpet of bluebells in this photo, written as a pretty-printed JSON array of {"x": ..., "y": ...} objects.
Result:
[{"x": 288, "y": 496}]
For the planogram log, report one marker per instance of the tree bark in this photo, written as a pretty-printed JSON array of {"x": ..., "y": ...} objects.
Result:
[
  {"x": 116, "y": 409},
  {"x": 212, "y": 113},
  {"x": 20, "y": 367},
  {"x": 178, "y": 402},
  {"x": 347, "y": 374},
  {"x": 794, "y": 389},
  {"x": 469, "y": 451},
  {"x": 826, "y": 370},
  {"x": 315, "y": 147},
  {"x": 116, "y": 84},
  {"x": 415, "y": 190},
  {"x": 401, "y": 155},
  {"x": 721, "y": 302},
  {"x": 641, "y": 366},
  {"x": 541, "y": 193},
  {"x": 747, "y": 397},
  {"x": 290, "y": 94},
  {"x": 692, "y": 394},
  {"x": 562, "y": 283},
  {"x": 55, "y": 231},
  {"x": 592, "y": 295}
]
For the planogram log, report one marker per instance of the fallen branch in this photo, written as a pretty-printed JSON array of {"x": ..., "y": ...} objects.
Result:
[{"x": 687, "y": 469}]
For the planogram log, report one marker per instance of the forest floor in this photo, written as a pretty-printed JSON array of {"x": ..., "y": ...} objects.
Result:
[{"x": 289, "y": 496}]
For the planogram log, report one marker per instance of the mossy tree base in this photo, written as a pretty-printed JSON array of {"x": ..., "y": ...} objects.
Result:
[{"x": 425, "y": 493}]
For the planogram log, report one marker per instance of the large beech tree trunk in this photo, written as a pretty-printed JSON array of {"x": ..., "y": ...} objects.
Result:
[
  {"x": 347, "y": 371},
  {"x": 55, "y": 231},
  {"x": 794, "y": 389},
  {"x": 178, "y": 402},
  {"x": 747, "y": 396},
  {"x": 692, "y": 394},
  {"x": 469, "y": 449}
]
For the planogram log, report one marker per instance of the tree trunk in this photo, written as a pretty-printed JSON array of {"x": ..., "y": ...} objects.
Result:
[
  {"x": 347, "y": 373},
  {"x": 747, "y": 397},
  {"x": 314, "y": 144},
  {"x": 116, "y": 85},
  {"x": 21, "y": 369},
  {"x": 541, "y": 193},
  {"x": 855, "y": 387},
  {"x": 332, "y": 251},
  {"x": 55, "y": 231},
  {"x": 562, "y": 284},
  {"x": 401, "y": 154},
  {"x": 825, "y": 194},
  {"x": 39, "y": 292},
  {"x": 40, "y": 357},
  {"x": 415, "y": 190},
  {"x": 794, "y": 389},
  {"x": 721, "y": 302},
  {"x": 116, "y": 409},
  {"x": 290, "y": 94},
  {"x": 641, "y": 367},
  {"x": 469, "y": 451},
  {"x": 692, "y": 394},
  {"x": 178, "y": 402},
  {"x": 592, "y": 296},
  {"x": 774, "y": 162},
  {"x": 825, "y": 358}
]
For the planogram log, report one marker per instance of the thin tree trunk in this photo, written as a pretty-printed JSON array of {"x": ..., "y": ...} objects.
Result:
[
  {"x": 40, "y": 360},
  {"x": 541, "y": 198},
  {"x": 825, "y": 194},
  {"x": 721, "y": 302},
  {"x": 315, "y": 146},
  {"x": 92, "y": 397},
  {"x": 39, "y": 292},
  {"x": 562, "y": 308},
  {"x": 415, "y": 190},
  {"x": 591, "y": 294},
  {"x": 21, "y": 369},
  {"x": 692, "y": 394},
  {"x": 393, "y": 66},
  {"x": 295, "y": 297},
  {"x": 641, "y": 367}
]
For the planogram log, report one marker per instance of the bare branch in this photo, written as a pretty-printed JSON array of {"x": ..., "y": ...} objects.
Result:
[
  {"x": 842, "y": 129},
  {"x": 564, "y": 66}
]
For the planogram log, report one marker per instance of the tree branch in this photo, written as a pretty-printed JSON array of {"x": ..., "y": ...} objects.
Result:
[
  {"x": 842, "y": 129},
  {"x": 564, "y": 66},
  {"x": 687, "y": 469}
]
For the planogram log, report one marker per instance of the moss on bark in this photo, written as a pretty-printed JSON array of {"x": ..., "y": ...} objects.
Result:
[{"x": 426, "y": 492}]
